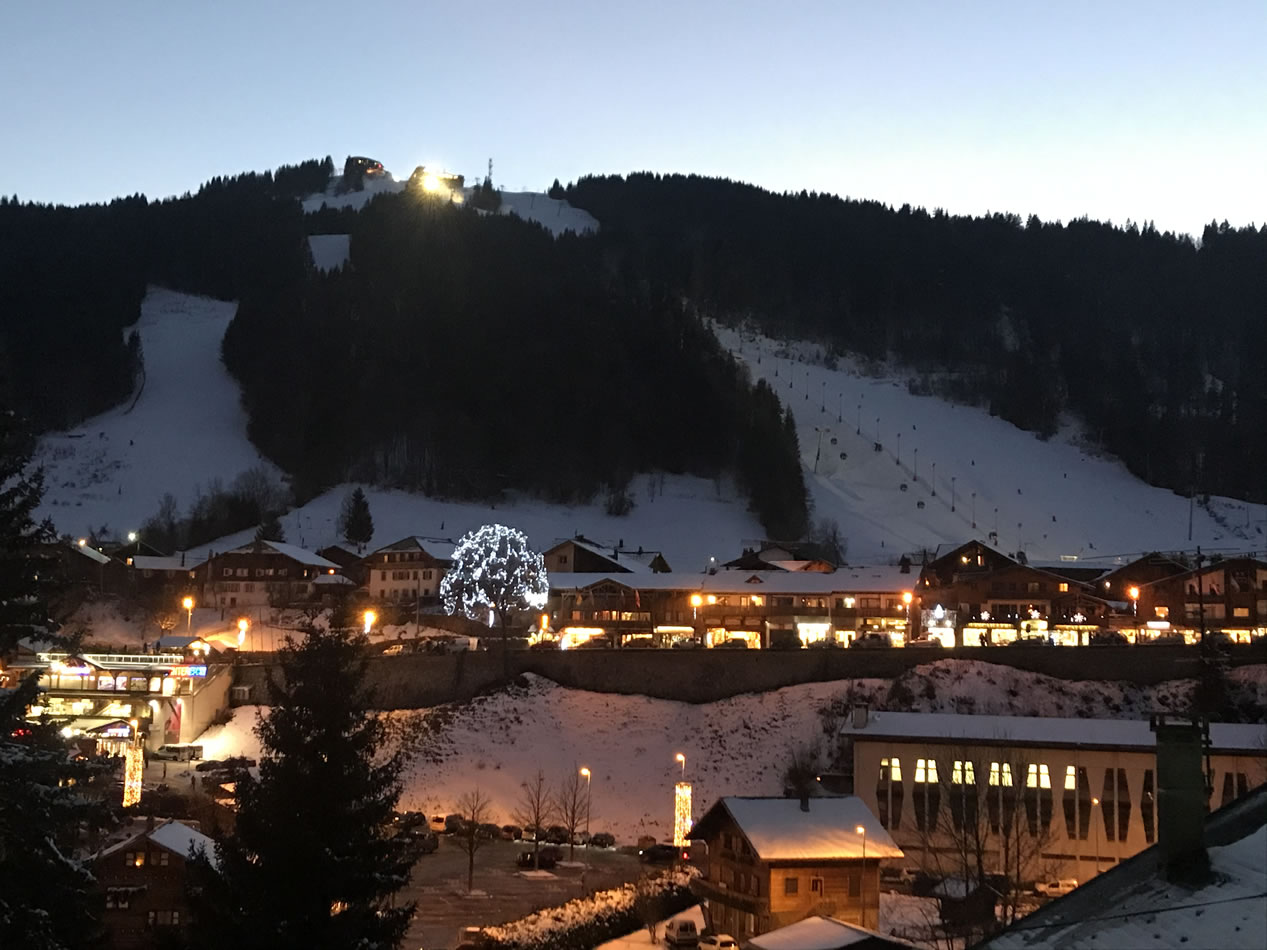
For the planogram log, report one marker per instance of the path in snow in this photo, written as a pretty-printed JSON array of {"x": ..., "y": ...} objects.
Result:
[{"x": 187, "y": 428}]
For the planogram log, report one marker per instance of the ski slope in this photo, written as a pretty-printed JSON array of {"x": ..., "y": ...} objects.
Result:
[
  {"x": 967, "y": 473},
  {"x": 187, "y": 426}
]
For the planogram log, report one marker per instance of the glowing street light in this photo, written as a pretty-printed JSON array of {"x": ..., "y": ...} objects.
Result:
[
  {"x": 585, "y": 773},
  {"x": 862, "y": 830},
  {"x": 680, "y": 758},
  {"x": 188, "y": 604},
  {"x": 131, "y": 537},
  {"x": 1134, "y": 595},
  {"x": 243, "y": 625},
  {"x": 370, "y": 618}
]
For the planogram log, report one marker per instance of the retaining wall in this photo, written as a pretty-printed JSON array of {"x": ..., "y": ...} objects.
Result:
[{"x": 701, "y": 676}]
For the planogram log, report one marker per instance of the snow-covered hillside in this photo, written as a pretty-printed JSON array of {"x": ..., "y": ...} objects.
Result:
[
  {"x": 186, "y": 428},
  {"x": 737, "y": 746},
  {"x": 1048, "y": 498}
]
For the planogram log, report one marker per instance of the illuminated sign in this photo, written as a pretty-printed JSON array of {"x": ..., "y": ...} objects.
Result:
[{"x": 188, "y": 671}]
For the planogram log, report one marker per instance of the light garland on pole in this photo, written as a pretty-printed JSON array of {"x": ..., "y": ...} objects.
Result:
[{"x": 681, "y": 813}]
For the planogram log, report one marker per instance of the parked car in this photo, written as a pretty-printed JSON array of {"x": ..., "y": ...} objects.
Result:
[
  {"x": 408, "y": 820},
  {"x": 436, "y": 824},
  {"x": 639, "y": 643},
  {"x": 545, "y": 644},
  {"x": 602, "y": 839},
  {"x": 1055, "y": 888},
  {"x": 1108, "y": 638},
  {"x": 733, "y": 643},
  {"x": 873, "y": 641},
  {"x": 512, "y": 832},
  {"x": 924, "y": 643},
  {"x": 547, "y": 858},
  {"x": 658, "y": 854},
  {"x": 424, "y": 840},
  {"x": 178, "y": 752},
  {"x": 681, "y": 933},
  {"x": 1165, "y": 639},
  {"x": 687, "y": 643},
  {"x": 206, "y": 765},
  {"x": 556, "y": 834},
  {"x": 718, "y": 942},
  {"x": 454, "y": 824},
  {"x": 488, "y": 831},
  {"x": 1030, "y": 642},
  {"x": 595, "y": 643}
]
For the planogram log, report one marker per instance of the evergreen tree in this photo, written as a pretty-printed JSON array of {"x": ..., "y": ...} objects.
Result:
[
  {"x": 355, "y": 522},
  {"x": 311, "y": 862},
  {"x": 271, "y": 530},
  {"x": 45, "y": 892},
  {"x": 556, "y": 190}
]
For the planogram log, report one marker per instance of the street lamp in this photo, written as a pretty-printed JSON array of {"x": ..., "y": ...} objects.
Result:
[
  {"x": 370, "y": 617},
  {"x": 1134, "y": 594},
  {"x": 1096, "y": 825},
  {"x": 585, "y": 773},
  {"x": 682, "y": 760},
  {"x": 188, "y": 604},
  {"x": 243, "y": 624},
  {"x": 907, "y": 597},
  {"x": 862, "y": 891}
]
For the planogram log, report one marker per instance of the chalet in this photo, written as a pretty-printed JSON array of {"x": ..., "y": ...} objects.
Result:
[
  {"x": 581, "y": 555},
  {"x": 975, "y": 595},
  {"x": 408, "y": 571},
  {"x": 1229, "y": 595},
  {"x": 81, "y": 565},
  {"x": 351, "y": 561},
  {"x": 261, "y": 574},
  {"x": 141, "y": 883},
  {"x": 761, "y": 608},
  {"x": 775, "y": 861},
  {"x": 165, "y": 579},
  {"x": 769, "y": 556}
]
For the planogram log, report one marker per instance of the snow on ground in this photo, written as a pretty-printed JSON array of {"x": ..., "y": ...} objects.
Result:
[
  {"x": 329, "y": 251},
  {"x": 640, "y": 939},
  {"x": 554, "y": 214},
  {"x": 1048, "y": 498},
  {"x": 186, "y": 428},
  {"x": 352, "y": 199},
  {"x": 737, "y": 746}
]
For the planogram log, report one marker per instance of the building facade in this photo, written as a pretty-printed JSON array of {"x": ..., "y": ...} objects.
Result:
[
  {"x": 1033, "y": 797},
  {"x": 775, "y": 861},
  {"x": 261, "y": 574},
  {"x": 408, "y": 571}
]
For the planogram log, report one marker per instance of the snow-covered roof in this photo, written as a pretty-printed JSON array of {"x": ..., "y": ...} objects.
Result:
[
  {"x": 1042, "y": 731},
  {"x": 171, "y": 834},
  {"x": 292, "y": 551},
  {"x": 333, "y": 580},
  {"x": 439, "y": 548},
  {"x": 148, "y": 562},
  {"x": 1133, "y": 905},
  {"x": 91, "y": 553},
  {"x": 780, "y": 830},
  {"x": 848, "y": 580},
  {"x": 822, "y": 933}
]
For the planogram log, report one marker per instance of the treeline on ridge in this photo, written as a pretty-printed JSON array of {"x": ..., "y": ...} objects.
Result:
[
  {"x": 72, "y": 279},
  {"x": 464, "y": 355},
  {"x": 1154, "y": 342}
]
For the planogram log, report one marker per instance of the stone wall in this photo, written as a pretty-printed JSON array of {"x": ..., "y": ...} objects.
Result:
[{"x": 701, "y": 676}]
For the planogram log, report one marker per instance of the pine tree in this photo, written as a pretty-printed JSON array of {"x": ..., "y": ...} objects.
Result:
[
  {"x": 310, "y": 862},
  {"x": 45, "y": 892},
  {"x": 556, "y": 190},
  {"x": 355, "y": 522},
  {"x": 270, "y": 530}
]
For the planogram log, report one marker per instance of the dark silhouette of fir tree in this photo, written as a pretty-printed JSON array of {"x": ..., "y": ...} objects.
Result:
[
  {"x": 556, "y": 190},
  {"x": 311, "y": 861},
  {"x": 49, "y": 798},
  {"x": 355, "y": 522}
]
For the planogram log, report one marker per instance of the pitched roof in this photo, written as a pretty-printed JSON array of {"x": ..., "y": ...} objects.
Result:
[
  {"x": 779, "y": 830},
  {"x": 1043, "y": 731},
  {"x": 824, "y": 933},
  {"x": 439, "y": 548},
  {"x": 292, "y": 551},
  {"x": 149, "y": 562},
  {"x": 171, "y": 834},
  {"x": 845, "y": 580},
  {"x": 1134, "y": 905}
]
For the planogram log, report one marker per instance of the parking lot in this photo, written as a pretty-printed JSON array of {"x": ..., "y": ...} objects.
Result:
[{"x": 501, "y": 893}]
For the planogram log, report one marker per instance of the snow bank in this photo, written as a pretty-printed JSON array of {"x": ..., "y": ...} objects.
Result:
[{"x": 329, "y": 251}]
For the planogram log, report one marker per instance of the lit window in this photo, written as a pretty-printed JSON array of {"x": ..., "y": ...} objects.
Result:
[
  {"x": 963, "y": 773},
  {"x": 926, "y": 770},
  {"x": 1037, "y": 776},
  {"x": 1071, "y": 778},
  {"x": 891, "y": 768},
  {"x": 1064, "y": 588},
  {"x": 1001, "y": 774}
]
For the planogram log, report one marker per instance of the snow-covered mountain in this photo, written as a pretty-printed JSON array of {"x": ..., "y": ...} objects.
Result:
[{"x": 1050, "y": 499}]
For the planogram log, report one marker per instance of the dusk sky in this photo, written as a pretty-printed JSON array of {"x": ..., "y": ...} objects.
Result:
[{"x": 1117, "y": 110}]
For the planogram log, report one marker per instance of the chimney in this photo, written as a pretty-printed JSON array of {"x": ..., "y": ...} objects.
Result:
[
  {"x": 858, "y": 715},
  {"x": 804, "y": 801},
  {"x": 905, "y": 564},
  {"x": 1181, "y": 796}
]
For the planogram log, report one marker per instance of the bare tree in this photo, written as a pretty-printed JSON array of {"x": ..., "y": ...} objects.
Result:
[
  {"x": 800, "y": 777},
  {"x": 474, "y": 808},
  {"x": 534, "y": 809},
  {"x": 648, "y": 906},
  {"x": 571, "y": 804},
  {"x": 986, "y": 823}
]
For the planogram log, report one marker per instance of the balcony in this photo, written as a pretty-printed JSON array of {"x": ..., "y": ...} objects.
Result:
[{"x": 705, "y": 889}]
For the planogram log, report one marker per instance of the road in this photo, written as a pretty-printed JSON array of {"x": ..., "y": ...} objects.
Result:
[{"x": 501, "y": 893}]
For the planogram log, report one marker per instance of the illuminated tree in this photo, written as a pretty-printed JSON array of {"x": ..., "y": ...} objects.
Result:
[{"x": 494, "y": 569}]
